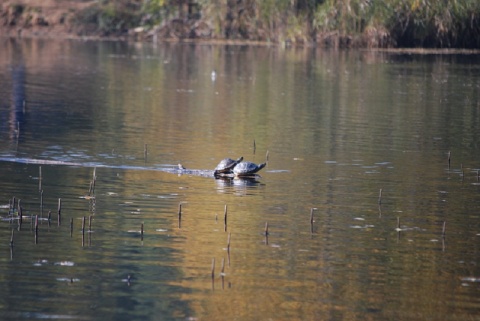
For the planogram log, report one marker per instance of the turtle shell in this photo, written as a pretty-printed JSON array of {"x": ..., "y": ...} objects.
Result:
[
  {"x": 247, "y": 168},
  {"x": 226, "y": 165}
]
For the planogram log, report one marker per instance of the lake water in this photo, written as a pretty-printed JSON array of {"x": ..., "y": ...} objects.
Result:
[{"x": 336, "y": 126}]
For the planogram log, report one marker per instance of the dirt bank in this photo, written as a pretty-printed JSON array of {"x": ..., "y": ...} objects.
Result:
[{"x": 41, "y": 18}]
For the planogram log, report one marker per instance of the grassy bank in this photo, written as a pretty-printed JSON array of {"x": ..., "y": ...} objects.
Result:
[{"x": 338, "y": 23}]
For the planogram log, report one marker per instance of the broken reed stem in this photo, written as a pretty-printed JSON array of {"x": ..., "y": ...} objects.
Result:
[
  {"x": 225, "y": 219},
  {"x": 59, "y": 211},
  {"x": 444, "y": 228},
  {"x": 83, "y": 225},
  {"x": 311, "y": 216},
  {"x": 380, "y": 197},
  {"x": 254, "y": 147},
  {"x": 213, "y": 268},
  {"x": 141, "y": 230},
  {"x": 90, "y": 223},
  {"x": 11, "y": 238},
  {"x": 449, "y": 158},
  {"x": 266, "y": 228},
  {"x": 266, "y": 156},
  {"x": 49, "y": 217},
  {"x": 223, "y": 265},
  {"x": 398, "y": 222},
  {"x": 71, "y": 226},
  {"x": 145, "y": 151}
]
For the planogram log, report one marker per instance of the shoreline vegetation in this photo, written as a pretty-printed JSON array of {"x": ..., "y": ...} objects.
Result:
[{"x": 387, "y": 24}]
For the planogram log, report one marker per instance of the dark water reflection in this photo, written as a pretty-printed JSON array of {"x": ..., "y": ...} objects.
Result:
[{"x": 337, "y": 126}]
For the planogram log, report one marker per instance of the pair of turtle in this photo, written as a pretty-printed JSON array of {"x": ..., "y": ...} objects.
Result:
[{"x": 237, "y": 167}]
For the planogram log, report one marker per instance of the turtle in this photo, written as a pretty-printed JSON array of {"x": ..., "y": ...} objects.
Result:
[
  {"x": 247, "y": 168},
  {"x": 226, "y": 165}
]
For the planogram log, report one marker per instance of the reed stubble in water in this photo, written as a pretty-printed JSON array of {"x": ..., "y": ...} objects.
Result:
[
  {"x": 41, "y": 203},
  {"x": 228, "y": 241},
  {"x": 312, "y": 218},
  {"x": 36, "y": 229},
  {"x": 180, "y": 215},
  {"x": 91, "y": 191},
  {"x": 213, "y": 268},
  {"x": 39, "y": 178},
  {"x": 225, "y": 219},
  {"x": 59, "y": 211}
]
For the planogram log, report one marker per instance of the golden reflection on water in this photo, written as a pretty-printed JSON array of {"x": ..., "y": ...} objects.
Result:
[{"x": 338, "y": 126}]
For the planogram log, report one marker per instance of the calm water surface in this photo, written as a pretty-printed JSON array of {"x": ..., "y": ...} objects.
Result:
[{"x": 337, "y": 126}]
